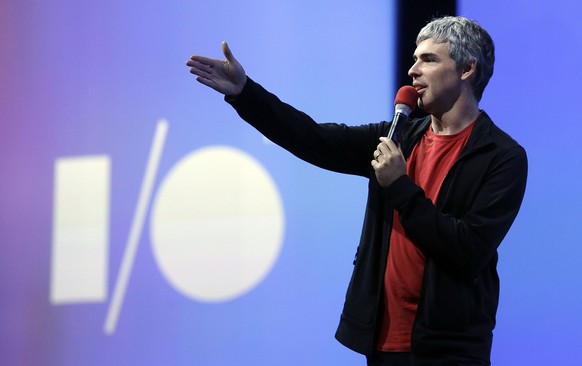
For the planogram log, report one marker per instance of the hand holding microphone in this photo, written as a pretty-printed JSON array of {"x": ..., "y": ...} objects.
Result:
[{"x": 389, "y": 163}]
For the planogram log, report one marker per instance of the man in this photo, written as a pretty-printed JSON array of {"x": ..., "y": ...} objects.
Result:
[{"x": 424, "y": 290}]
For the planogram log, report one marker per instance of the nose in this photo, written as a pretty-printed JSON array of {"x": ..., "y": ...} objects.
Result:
[{"x": 414, "y": 71}]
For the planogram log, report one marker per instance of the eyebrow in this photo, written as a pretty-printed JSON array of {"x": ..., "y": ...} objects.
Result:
[{"x": 425, "y": 55}]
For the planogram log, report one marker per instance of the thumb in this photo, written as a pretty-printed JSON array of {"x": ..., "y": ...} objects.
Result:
[{"x": 228, "y": 53}]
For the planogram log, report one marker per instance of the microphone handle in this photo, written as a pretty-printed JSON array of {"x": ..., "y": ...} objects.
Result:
[{"x": 397, "y": 123}]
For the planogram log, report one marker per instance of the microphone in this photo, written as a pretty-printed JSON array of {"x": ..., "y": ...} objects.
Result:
[{"x": 404, "y": 104}]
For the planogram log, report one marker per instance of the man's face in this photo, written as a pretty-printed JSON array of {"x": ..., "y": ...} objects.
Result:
[{"x": 436, "y": 77}]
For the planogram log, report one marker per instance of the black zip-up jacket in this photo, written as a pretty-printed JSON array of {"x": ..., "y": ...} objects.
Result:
[{"x": 459, "y": 235}]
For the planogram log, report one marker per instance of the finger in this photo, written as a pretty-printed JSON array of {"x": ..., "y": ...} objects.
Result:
[
  {"x": 200, "y": 73},
  {"x": 391, "y": 145},
  {"x": 379, "y": 153},
  {"x": 383, "y": 149},
  {"x": 207, "y": 82},
  {"x": 199, "y": 69},
  {"x": 228, "y": 53},
  {"x": 204, "y": 62}
]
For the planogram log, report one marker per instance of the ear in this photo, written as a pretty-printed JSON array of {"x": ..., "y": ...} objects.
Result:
[{"x": 468, "y": 70}]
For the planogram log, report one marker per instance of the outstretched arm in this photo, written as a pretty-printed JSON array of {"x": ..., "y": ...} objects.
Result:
[{"x": 225, "y": 76}]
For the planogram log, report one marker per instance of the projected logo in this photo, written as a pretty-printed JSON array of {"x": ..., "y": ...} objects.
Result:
[{"x": 216, "y": 226}]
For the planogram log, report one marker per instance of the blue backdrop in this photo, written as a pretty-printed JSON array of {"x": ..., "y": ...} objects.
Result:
[
  {"x": 123, "y": 181},
  {"x": 531, "y": 95}
]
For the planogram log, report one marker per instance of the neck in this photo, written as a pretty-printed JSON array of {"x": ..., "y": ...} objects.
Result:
[{"x": 455, "y": 119}]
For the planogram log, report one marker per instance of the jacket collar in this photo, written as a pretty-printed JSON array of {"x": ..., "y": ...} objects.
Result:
[{"x": 480, "y": 137}]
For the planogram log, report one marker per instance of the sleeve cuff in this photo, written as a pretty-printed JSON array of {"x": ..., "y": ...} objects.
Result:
[
  {"x": 233, "y": 99},
  {"x": 401, "y": 191}
]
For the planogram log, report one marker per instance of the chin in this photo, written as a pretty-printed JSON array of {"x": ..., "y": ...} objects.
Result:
[{"x": 422, "y": 105}]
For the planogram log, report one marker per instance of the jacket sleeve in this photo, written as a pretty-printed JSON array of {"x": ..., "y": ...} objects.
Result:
[
  {"x": 332, "y": 146},
  {"x": 463, "y": 236}
]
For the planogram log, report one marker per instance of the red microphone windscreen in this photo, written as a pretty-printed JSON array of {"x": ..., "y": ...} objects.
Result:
[{"x": 407, "y": 95}]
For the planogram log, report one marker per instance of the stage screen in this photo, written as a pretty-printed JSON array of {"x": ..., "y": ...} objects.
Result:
[
  {"x": 141, "y": 221},
  {"x": 535, "y": 81}
]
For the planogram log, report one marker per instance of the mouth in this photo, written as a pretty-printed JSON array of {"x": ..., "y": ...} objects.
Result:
[{"x": 420, "y": 88}]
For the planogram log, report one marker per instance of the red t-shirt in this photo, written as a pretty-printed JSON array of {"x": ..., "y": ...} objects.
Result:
[{"x": 427, "y": 166}]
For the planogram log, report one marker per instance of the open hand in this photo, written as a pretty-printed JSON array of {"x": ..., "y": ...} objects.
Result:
[{"x": 225, "y": 76}]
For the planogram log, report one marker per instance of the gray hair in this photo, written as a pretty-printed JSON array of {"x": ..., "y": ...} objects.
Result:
[{"x": 468, "y": 42}]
